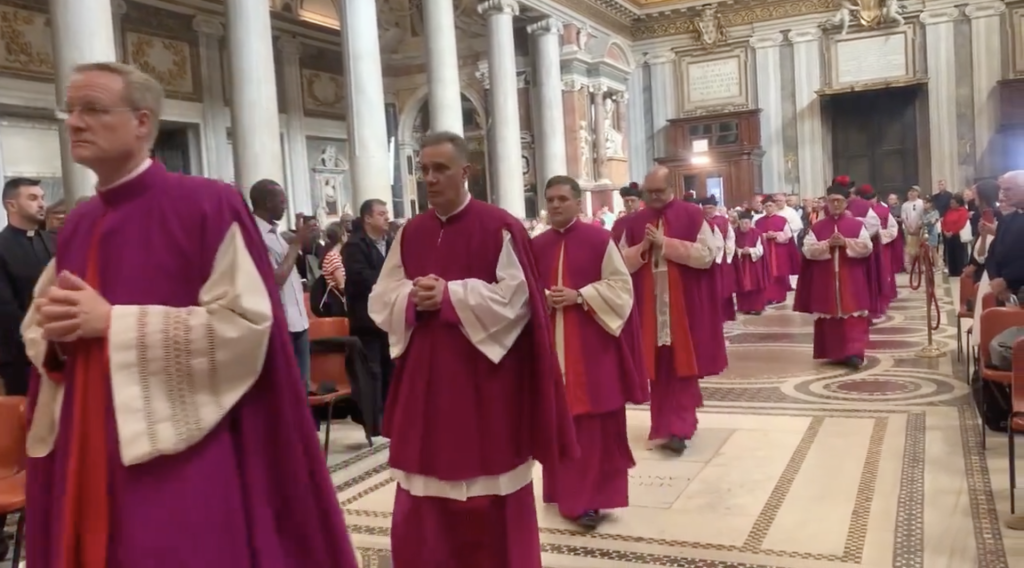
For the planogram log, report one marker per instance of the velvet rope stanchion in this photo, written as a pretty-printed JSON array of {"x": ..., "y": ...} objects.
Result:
[{"x": 922, "y": 272}]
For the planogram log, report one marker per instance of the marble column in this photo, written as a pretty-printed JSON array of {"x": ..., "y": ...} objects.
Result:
[
  {"x": 445, "y": 95},
  {"x": 119, "y": 9},
  {"x": 295, "y": 129},
  {"x": 216, "y": 150},
  {"x": 942, "y": 110},
  {"x": 83, "y": 32},
  {"x": 636, "y": 144},
  {"x": 807, "y": 80},
  {"x": 507, "y": 180},
  {"x": 664, "y": 98},
  {"x": 987, "y": 63},
  {"x": 550, "y": 130},
  {"x": 769, "y": 98},
  {"x": 600, "y": 152},
  {"x": 255, "y": 122},
  {"x": 369, "y": 159}
]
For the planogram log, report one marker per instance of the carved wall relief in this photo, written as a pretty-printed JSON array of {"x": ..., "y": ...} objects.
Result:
[
  {"x": 166, "y": 60},
  {"x": 26, "y": 48},
  {"x": 323, "y": 94}
]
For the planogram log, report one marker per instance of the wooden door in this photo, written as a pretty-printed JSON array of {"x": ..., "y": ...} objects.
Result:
[
  {"x": 171, "y": 150},
  {"x": 874, "y": 138}
]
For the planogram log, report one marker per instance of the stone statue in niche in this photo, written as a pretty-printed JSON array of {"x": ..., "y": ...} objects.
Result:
[
  {"x": 583, "y": 36},
  {"x": 870, "y": 13},
  {"x": 329, "y": 159},
  {"x": 710, "y": 28},
  {"x": 329, "y": 173},
  {"x": 612, "y": 136},
  {"x": 586, "y": 153}
]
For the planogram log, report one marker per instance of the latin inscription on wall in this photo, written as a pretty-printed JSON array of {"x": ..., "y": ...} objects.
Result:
[
  {"x": 871, "y": 59},
  {"x": 714, "y": 84}
]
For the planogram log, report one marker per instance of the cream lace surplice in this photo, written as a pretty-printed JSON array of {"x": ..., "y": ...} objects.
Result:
[{"x": 174, "y": 372}]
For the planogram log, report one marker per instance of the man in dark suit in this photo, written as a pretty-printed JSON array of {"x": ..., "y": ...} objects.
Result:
[{"x": 363, "y": 256}]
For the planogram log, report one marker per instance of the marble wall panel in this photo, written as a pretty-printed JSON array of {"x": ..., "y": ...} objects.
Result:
[
  {"x": 790, "y": 142},
  {"x": 963, "y": 57},
  {"x": 26, "y": 47},
  {"x": 323, "y": 94},
  {"x": 164, "y": 44}
]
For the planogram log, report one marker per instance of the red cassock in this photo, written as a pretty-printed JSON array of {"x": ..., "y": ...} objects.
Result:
[
  {"x": 777, "y": 256},
  {"x": 724, "y": 269},
  {"x": 597, "y": 343},
  {"x": 833, "y": 286},
  {"x": 476, "y": 395},
  {"x": 751, "y": 271},
  {"x": 690, "y": 344},
  {"x": 881, "y": 285}
]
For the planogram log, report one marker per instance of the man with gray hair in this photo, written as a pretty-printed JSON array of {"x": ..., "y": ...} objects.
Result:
[{"x": 168, "y": 425}]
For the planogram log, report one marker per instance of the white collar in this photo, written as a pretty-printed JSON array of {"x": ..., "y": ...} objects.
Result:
[
  {"x": 465, "y": 201},
  {"x": 134, "y": 174},
  {"x": 571, "y": 223}
]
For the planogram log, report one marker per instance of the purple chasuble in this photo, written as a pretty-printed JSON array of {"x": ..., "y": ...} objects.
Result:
[
  {"x": 451, "y": 413},
  {"x": 751, "y": 275},
  {"x": 254, "y": 492},
  {"x": 777, "y": 258},
  {"x": 684, "y": 221}
]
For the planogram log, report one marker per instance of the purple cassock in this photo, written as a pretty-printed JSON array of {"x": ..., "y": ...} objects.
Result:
[
  {"x": 725, "y": 268},
  {"x": 887, "y": 280},
  {"x": 777, "y": 258},
  {"x": 251, "y": 489},
  {"x": 751, "y": 271},
  {"x": 697, "y": 346},
  {"x": 602, "y": 368},
  {"x": 465, "y": 425},
  {"x": 833, "y": 286},
  {"x": 881, "y": 287},
  {"x": 619, "y": 227}
]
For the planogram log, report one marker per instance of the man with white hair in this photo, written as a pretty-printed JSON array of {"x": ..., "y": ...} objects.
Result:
[
  {"x": 168, "y": 425},
  {"x": 1005, "y": 260}
]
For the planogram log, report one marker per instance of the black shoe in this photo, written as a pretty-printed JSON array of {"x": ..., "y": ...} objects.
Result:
[
  {"x": 854, "y": 362},
  {"x": 590, "y": 520},
  {"x": 676, "y": 445}
]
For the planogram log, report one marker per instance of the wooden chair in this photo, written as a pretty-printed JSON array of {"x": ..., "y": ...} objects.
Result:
[
  {"x": 968, "y": 291},
  {"x": 327, "y": 367},
  {"x": 993, "y": 322},
  {"x": 13, "y": 431}
]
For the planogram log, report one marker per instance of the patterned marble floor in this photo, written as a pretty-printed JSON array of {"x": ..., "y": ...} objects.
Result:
[{"x": 795, "y": 465}]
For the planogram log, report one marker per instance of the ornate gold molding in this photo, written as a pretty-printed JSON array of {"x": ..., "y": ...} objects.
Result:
[
  {"x": 25, "y": 44},
  {"x": 168, "y": 61},
  {"x": 323, "y": 94}
]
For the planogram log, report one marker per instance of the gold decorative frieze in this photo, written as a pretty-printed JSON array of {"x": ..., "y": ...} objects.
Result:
[
  {"x": 683, "y": 22},
  {"x": 166, "y": 60},
  {"x": 323, "y": 94},
  {"x": 26, "y": 49}
]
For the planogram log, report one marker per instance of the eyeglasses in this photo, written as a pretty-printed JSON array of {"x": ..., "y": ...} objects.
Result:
[{"x": 89, "y": 111}]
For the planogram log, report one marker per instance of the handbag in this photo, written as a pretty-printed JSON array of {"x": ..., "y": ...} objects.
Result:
[{"x": 326, "y": 301}]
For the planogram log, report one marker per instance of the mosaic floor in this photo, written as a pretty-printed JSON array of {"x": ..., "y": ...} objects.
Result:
[{"x": 795, "y": 465}]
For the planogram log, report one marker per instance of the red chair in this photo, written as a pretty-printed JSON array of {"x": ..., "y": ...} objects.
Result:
[
  {"x": 968, "y": 291},
  {"x": 993, "y": 322},
  {"x": 13, "y": 431},
  {"x": 327, "y": 367}
]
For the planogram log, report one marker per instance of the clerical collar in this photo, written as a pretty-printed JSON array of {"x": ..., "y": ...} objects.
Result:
[
  {"x": 19, "y": 230},
  {"x": 466, "y": 199},
  {"x": 566, "y": 228},
  {"x": 134, "y": 174}
]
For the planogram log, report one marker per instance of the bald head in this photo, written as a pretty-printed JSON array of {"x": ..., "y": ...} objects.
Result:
[
  {"x": 1011, "y": 188},
  {"x": 656, "y": 188}
]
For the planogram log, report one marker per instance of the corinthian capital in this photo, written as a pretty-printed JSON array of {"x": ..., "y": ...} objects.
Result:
[{"x": 495, "y": 7}]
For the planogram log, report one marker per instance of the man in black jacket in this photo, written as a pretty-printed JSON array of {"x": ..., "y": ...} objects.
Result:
[
  {"x": 1005, "y": 260},
  {"x": 363, "y": 256}
]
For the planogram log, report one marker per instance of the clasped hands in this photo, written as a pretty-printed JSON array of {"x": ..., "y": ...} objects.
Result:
[
  {"x": 561, "y": 297},
  {"x": 653, "y": 237},
  {"x": 837, "y": 240},
  {"x": 72, "y": 310},
  {"x": 427, "y": 293}
]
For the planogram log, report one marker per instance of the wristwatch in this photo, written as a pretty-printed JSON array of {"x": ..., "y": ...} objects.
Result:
[{"x": 579, "y": 298}]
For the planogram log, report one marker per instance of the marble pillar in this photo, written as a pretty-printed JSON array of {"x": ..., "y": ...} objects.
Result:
[
  {"x": 636, "y": 144},
  {"x": 550, "y": 128},
  {"x": 597, "y": 93},
  {"x": 119, "y": 9},
  {"x": 807, "y": 80},
  {"x": 255, "y": 124},
  {"x": 664, "y": 98},
  {"x": 216, "y": 150},
  {"x": 294, "y": 126},
  {"x": 987, "y": 65},
  {"x": 940, "y": 53},
  {"x": 369, "y": 159},
  {"x": 445, "y": 95},
  {"x": 769, "y": 98},
  {"x": 507, "y": 179},
  {"x": 83, "y": 32}
]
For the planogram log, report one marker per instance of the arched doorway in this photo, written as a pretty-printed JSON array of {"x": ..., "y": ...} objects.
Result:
[{"x": 473, "y": 126}]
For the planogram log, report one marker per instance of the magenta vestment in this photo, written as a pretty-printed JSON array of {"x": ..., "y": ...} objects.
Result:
[
  {"x": 255, "y": 492},
  {"x": 725, "y": 271},
  {"x": 751, "y": 275},
  {"x": 777, "y": 258}
]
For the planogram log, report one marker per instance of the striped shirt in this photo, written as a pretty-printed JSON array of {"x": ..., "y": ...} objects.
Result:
[{"x": 332, "y": 263}]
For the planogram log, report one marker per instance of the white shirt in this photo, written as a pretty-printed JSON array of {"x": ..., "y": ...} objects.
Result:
[
  {"x": 912, "y": 214},
  {"x": 291, "y": 292}
]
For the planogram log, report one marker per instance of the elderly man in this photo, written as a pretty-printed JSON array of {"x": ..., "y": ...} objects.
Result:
[
  {"x": 168, "y": 425},
  {"x": 1005, "y": 260}
]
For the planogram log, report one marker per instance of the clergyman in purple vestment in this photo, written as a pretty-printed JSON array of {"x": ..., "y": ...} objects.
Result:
[
  {"x": 590, "y": 295},
  {"x": 751, "y": 272},
  {"x": 881, "y": 228},
  {"x": 777, "y": 256},
  {"x": 168, "y": 424},
  {"x": 723, "y": 266},
  {"x": 833, "y": 283},
  {"x": 477, "y": 396},
  {"x": 669, "y": 248}
]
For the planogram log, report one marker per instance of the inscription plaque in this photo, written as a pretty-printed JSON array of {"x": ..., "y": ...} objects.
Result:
[
  {"x": 872, "y": 59},
  {"x": 714, "y": 80}
]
